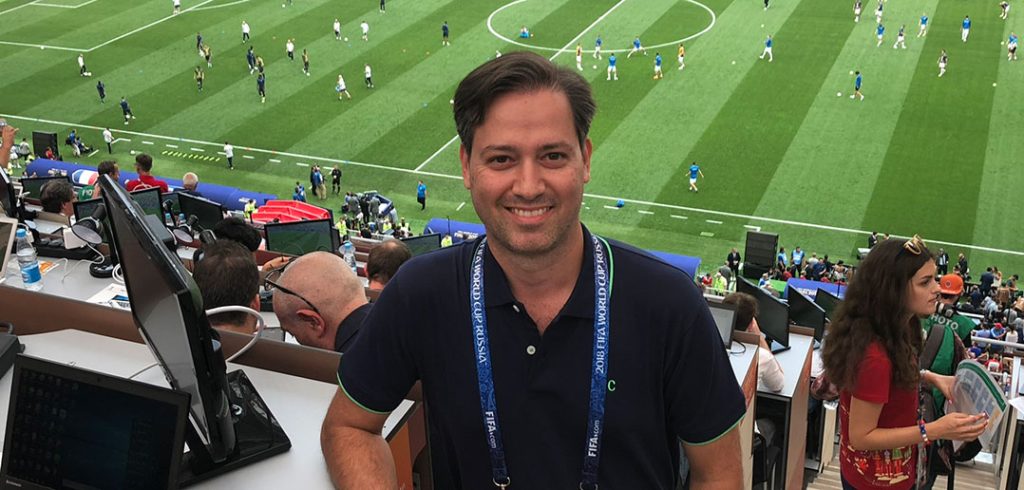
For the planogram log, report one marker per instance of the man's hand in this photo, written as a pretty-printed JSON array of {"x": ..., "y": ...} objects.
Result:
[{"x": 8, "y": 134}]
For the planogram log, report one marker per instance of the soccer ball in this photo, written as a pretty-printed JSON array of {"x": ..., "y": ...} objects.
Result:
[
  {"x": 451, "y": 101},
  {"x": 839, "y": 94},
  {"x": 851, "y": 96},
  {"x": 595, "y": 67},
  {"x": 346, "y": 39}
]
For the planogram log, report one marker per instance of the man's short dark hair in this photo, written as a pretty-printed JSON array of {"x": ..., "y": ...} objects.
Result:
[
  {"x": 226, "y": 276},
  {"x": 106, "y": 167},
  {"x": 746, "y": 308},
  {"x": 144, "y": 162},
  {"x": 55, "y": 193},
  {"x": 385, "y": 259},
  {"x": 517, "y": 73},
  {"x": 236, "y": 229}
]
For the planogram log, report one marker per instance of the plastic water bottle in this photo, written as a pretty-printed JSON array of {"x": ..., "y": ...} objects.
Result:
[
  {"x": 350, "y": 256},
  {"x": 167, "y": 219},
  {"x": 28, "y": 261},
  {"x": 181, "y": 218}
]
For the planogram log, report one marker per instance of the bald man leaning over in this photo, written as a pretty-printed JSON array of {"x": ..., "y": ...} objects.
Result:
[{"x": 319, "y": 300}]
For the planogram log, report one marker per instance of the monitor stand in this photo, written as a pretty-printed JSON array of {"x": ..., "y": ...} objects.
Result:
[
  {"x": 258, "y": 436},
  {"x": 102, "y": 270},
  {"x": 777, "y": 347}
]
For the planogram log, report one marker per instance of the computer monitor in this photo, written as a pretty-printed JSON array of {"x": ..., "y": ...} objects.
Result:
[
  {"x": 208, "y": 212},
  {"x": 772, "y": 313},
  {"x": 8, "y": 199},
  {"x": 230, "y": 425},
  {"x": 149, "y": 201},
  {"x": 301, "y": 237},
  {"x": 725, "y": 319},
  {"x": 85, "y": 209},
  {"x": 32, "y": 187},
  {"x": 168, "y": 310},
  {"x": 172, "y": 198},
  {"x": 422, "y": 244},
  {"x": 828, "y": 302},
  {"x": 95, "y": 431},
  {"x": 803, "y": 312}
]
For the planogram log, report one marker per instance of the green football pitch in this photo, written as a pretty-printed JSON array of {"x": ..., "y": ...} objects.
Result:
[{"x": 782, "y": 146}]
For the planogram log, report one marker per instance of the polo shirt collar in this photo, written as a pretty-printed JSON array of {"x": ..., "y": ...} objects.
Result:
[
  {"x": 349, "y": 327},
  {"x": 581, "y": 302}
]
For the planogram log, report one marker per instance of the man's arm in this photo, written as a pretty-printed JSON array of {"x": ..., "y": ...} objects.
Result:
[
  {"x": 355, "y": 452},
  {"x": 6, "y": 142},
  {"x": 714, "y": 465}
]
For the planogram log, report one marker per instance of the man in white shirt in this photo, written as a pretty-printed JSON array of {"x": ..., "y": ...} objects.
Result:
[
  {"x": 245, "y": 32},
  {"x": 366, "y": 30},
  {"x": 108, "y": 138},
  {"x": 229, "y": 153},
  {"x": 369, "y": 76},
  {"x": 769, "y": 373}
]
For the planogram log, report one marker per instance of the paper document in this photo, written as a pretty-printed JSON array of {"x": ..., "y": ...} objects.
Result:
[
  {"x": 976, "y": 391},
  {"x": 114, "y": 295}
]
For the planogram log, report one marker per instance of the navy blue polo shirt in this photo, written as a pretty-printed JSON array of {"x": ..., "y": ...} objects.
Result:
[{"x": 669, "y": 377}]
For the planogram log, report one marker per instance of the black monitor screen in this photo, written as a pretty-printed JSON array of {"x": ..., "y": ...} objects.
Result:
[
  {"x": 725, "y": 320},
  {"x": 422, "y": 244},
  {"x": 828, "y": 302},
  {"x": 32, "y": 187},
  {"x": 7, "y": 198},
  {"x": 168, "y": 310},
  {"x": 772, "y": 314},
  {"x": 803, "y": 312},
  {"x": 149, "y": 201},
  {"x": 208, "y": 212},
  {"x": 301, "y": 237},
  {"x": 172, "y": 197},
  {"x": 93, "y": 431}
]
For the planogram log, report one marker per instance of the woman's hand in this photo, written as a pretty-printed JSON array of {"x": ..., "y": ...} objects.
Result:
[
  {"x": 957, "y": 427},
  {"x": 943, "y": 383}
]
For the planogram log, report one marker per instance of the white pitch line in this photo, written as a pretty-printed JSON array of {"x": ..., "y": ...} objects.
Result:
[
  {"x": 219, "y": 6},
  {"x": 274, "y": 160},
  {"x": 121, "y": 139},
  {"x": 44, "y": 46},
  {"x": 641, "y": 211},
  {"x": 248, "y": 157},
  {"x": 18, "y": 7},
  {"x": 65, "y": 6},
  {"x": 613, "y": 208},
  {"x": 197, "y": 149},
  {"x": 302, "y": 164},
  {"x": 552, "y": 58},
  {"x": 707, "y": 234},
  {"x": 714, "y": 222},
  {"x": 170, "y": 145},
  {"x": 674, "y": 207},
  {"x": 147, "y": 26},
  {"x": 147, "y": 142},
  {"x": 463, "y": 203},
  {"x": 93, "y": 153}
]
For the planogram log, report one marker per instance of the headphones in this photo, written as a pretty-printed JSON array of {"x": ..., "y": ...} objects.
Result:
[{"x": 206, "y": 237}]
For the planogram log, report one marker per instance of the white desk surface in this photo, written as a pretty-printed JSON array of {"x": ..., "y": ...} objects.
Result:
[
  {"x": 741, "y": 361},
  {"x": 298, "y": 404},
  {"x": 792, "y": 362}
]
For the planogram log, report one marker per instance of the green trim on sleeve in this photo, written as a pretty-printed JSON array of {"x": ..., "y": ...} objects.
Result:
[
  {"x": 364, "y": 407},
  {"x": 719, "y": 436}
]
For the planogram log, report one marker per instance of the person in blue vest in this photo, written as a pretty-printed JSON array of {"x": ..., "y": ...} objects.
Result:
[
  {"x": 965, "y": 28},
  {"x": 694, "y": 173},
  {"x": 444, "y": 34},
  {"x": 597, "y": 47},
  {"x": 613, "y": 71},
  {"x": 880, "y": 33},
  {"x": 923, "y": 29},
  {"x": 798, "y": 257},
  {"x": 525, "y": 341},
  {"x": 857, "y": 93},
  {"x": 657, "y": 67},
  {"x": 638, "y": 47},
  {"x": 421, "y": 195}
]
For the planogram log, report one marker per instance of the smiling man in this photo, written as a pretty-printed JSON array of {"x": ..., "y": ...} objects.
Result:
[{"x": 550, "y": 357}]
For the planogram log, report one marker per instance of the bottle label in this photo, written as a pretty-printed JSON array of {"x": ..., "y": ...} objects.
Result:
[{"x": 30, "y": 274}]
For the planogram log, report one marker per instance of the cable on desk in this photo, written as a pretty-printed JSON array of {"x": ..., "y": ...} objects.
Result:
[
  {"x": 260, "y": 325},
  {"x": 147, "y": 368},
  {"x": 740, "y": 353},
  {"x": 98, "y": 260},
  {"x": 117, "y": 274}
]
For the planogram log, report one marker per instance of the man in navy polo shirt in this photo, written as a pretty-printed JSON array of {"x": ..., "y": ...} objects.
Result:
[{"x": 550, "y": 357}]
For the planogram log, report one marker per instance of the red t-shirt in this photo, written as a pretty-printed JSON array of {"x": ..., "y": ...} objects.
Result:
[
  {"x": 145, "y": 182},
  {"x": 893, "y": 469}
]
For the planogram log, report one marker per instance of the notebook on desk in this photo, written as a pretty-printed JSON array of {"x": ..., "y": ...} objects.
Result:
[
  {"x": 72, "y": 428},
  {"x": 8, "y": 227}
]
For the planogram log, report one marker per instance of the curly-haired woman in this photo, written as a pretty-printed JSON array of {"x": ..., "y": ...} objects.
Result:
[{"x": 871, "y": 354}]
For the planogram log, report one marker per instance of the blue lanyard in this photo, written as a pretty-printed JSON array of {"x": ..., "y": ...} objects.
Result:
[{"x": 598, "y": 370}]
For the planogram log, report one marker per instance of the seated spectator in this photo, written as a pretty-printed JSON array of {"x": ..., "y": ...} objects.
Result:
[
  {"x": 384, "y": 261},
  {"x": 144, "y": 166},
  {"x": 769, "y": 372},
  {"x": 49, "y": 154},
  {"x": 58, "y": 196},
  {"x": 707, "y": 281},
  {"x": 237, "y": 230},
  {"x": 189, "y": 183},
  {"x": 106, "y": 167},
  {"x": 227, "y": 276},
  {"x": 319, "y": 301}
]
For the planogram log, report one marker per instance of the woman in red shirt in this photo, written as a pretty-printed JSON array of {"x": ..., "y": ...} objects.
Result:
[{"x": 871, "y": 354}]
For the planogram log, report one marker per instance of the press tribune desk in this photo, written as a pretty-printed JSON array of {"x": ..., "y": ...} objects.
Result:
[
  {"x": 796, "y": 366},
  {"x": 297, "y": 382},
  {"x": 744, "y": 366}
]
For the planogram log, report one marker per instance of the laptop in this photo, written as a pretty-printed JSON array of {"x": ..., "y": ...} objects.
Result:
[
  {"x": 725, "y": 319},
  {"x": 69, "y": 427},
  {"x": 8, "y": 227}
]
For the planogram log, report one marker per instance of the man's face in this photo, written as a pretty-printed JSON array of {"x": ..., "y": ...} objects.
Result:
[{"x": 526, "y": 171}]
